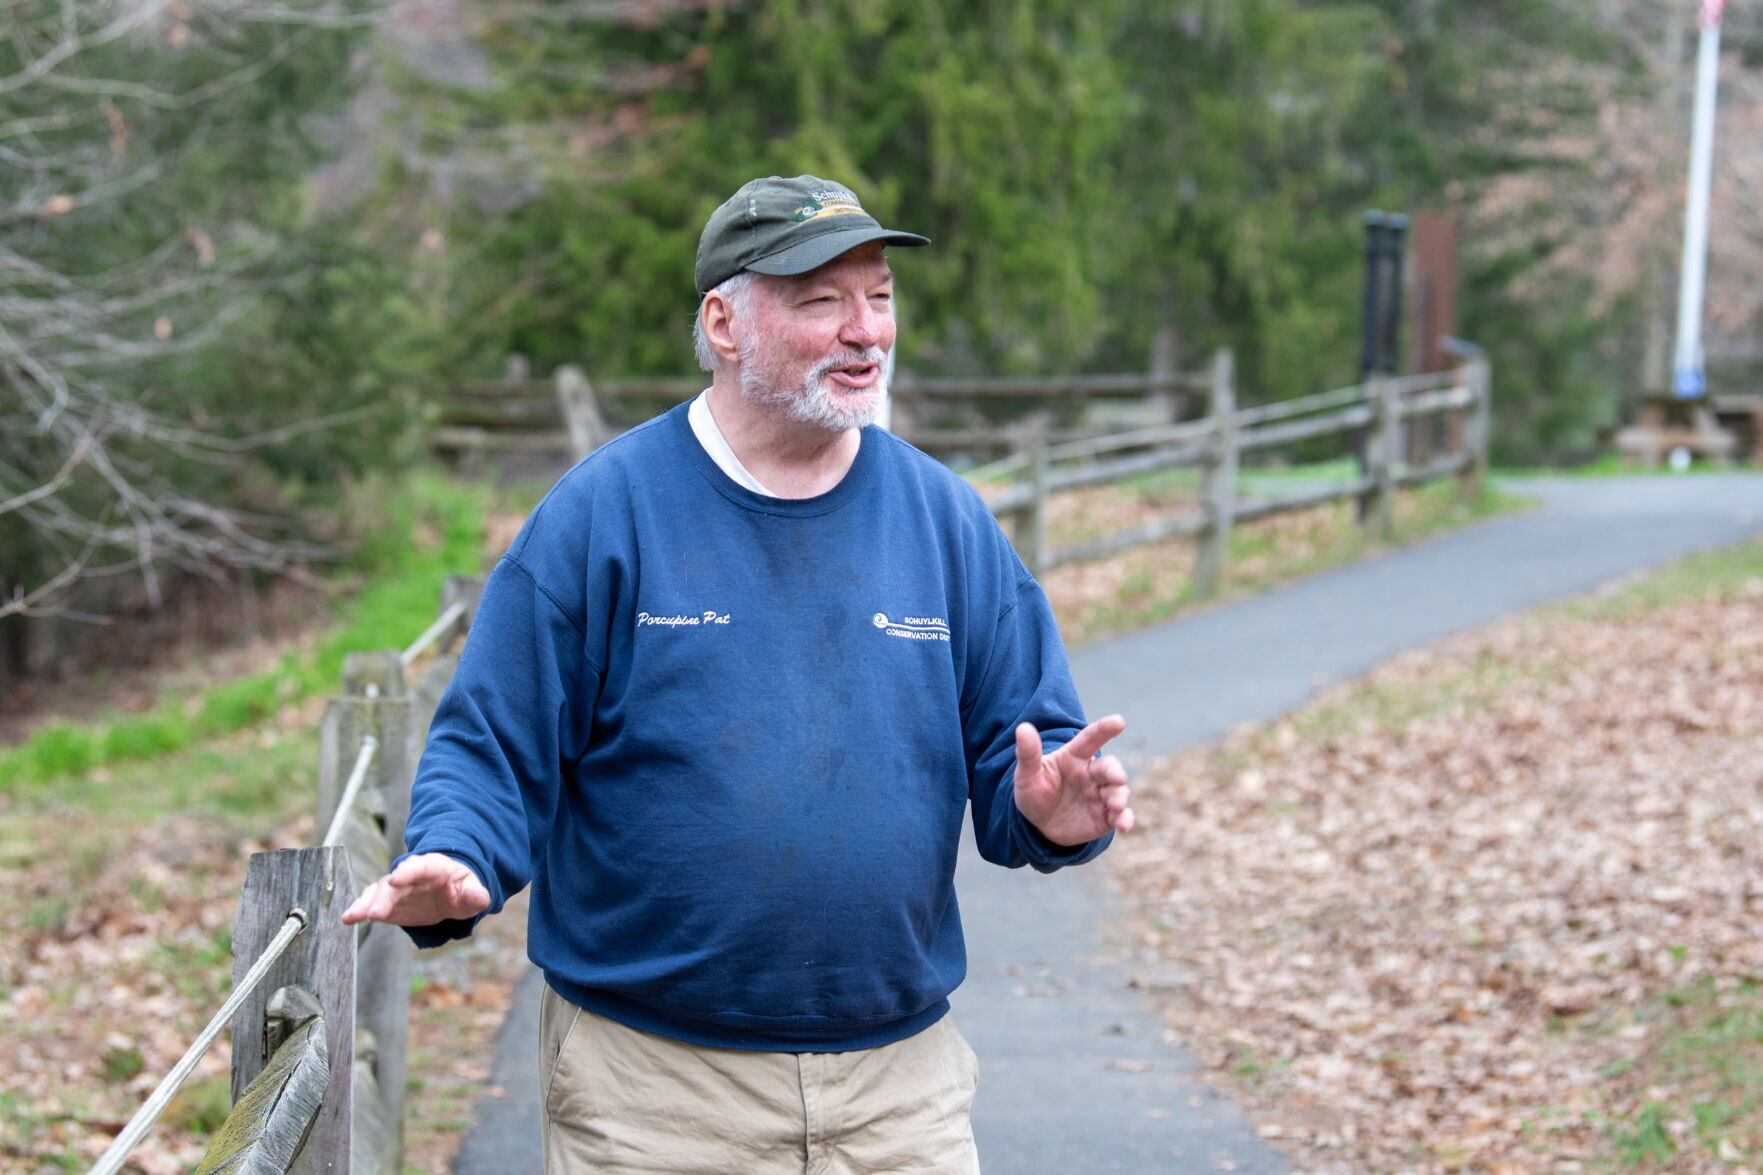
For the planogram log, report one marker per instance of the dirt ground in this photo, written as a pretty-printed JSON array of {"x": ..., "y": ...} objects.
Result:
[
  {"x": 125, "y": 664},
  {"x": 1493, "y": 908}
]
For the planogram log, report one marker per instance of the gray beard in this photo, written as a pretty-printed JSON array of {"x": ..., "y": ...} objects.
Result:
[{"x": 815, "y": 403}]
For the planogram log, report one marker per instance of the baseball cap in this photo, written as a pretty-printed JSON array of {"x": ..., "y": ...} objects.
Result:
[{"x": 784, "y": 226}]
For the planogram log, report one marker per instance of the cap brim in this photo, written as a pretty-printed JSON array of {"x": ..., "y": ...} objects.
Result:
[{"x": 817, "y": 251}]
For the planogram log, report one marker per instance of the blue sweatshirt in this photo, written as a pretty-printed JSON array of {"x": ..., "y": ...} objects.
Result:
[{"x": 729, "y": 739}]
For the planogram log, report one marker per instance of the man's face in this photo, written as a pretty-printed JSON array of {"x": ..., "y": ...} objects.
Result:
[{"x": 816, "y": 345}]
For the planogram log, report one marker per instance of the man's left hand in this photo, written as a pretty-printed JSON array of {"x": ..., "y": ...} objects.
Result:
[{"x": 1073, "y": 796}]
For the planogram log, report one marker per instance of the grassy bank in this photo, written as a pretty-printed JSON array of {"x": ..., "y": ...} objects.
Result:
[
  {"x": 123, "y": 844},
  {"x": 414, "y": 535}
]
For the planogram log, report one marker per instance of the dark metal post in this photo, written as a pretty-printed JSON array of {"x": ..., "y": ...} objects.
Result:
[
  {"x": 1370, "y": 339},
  {"x": 1390, "y": 330},
  {"x": 1374, "y": 237}
]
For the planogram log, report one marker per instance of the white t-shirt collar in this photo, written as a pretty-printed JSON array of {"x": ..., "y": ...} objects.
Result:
[{"x": 704, "y": 428}]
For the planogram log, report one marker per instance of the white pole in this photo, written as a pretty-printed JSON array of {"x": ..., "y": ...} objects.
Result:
[{"x": 1688, "y": 381}]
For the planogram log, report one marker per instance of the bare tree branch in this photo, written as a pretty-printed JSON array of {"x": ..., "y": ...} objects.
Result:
[{"x": 106, "y": 102}]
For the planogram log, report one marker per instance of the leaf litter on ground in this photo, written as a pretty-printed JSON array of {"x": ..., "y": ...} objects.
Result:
[{"x": 1471, "y": 912}]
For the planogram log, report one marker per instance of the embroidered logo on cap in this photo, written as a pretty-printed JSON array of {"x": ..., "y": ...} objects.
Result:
[{"x": 828, "y": 203}]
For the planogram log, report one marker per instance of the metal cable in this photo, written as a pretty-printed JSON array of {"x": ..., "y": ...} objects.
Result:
[
  {"x": 352, "y": 789},
  {"x": 449, "y": 616},
  {"x": 112, "y": 1159}
]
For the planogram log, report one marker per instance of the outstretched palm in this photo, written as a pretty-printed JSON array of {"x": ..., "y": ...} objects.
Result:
[
  {"x": 423, "y": 890},
  {"x": 1072, "y": 795}
]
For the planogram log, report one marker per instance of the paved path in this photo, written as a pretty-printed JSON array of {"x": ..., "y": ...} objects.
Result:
[{"x": 1079, "y": 1076}]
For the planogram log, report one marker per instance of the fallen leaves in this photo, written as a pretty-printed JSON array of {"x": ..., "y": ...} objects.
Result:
[
  {"x": 1420, "y": 922},
  {"x": 110, "y": 963}
]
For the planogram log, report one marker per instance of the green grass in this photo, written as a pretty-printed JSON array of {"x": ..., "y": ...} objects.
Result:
[
  {"x": 25, "y": 1128},
  {"x": 238, "y": 780},
  {"x": 1611, "y": 465},
  {"x": 1722, "y": 574},
  {"x": 1396, "y": 706},
  {"x": 1706, "y": 1071},
  {"x": 1643, "y": 1138},
  {"x": 414, "y": 536}
]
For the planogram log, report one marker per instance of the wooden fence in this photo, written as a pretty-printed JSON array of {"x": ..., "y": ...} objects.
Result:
[
  {"x": 1386, "y": 417},
  {"x": 1402, "y": 431},
  {"x": 567, "y": 417},
  {"x": 319, "y": 1010}
]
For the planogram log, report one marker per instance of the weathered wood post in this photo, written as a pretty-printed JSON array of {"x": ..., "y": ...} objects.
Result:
[
  {"x": 1165, "y": 376},
  {"x": 426, "y": 690},
  {"x": 1385, "y": 437},
  {"x": 1477, "y": 375},
  {"x": 581, "y": 411},
  {"x": 1031, "y": 539},
  {"x": 377, "y": 706},
  {"x": 1219, "y": 485},
  {"x": 322, "y": 961}
]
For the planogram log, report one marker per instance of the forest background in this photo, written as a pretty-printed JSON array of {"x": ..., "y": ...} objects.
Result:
[{"x": 245, "y": 244}]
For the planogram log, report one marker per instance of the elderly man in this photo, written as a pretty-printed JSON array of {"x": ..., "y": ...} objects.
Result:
[{"x": 724, "y": 703}]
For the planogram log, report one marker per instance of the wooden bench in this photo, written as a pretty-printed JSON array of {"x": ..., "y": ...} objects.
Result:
[{"x": 1667, "y": 423}]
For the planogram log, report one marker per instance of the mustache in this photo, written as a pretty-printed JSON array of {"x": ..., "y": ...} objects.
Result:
[{"x": 849, "y": 358}]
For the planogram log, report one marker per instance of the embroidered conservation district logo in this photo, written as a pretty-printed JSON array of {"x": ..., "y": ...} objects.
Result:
[{"x": 912, "y": 628}]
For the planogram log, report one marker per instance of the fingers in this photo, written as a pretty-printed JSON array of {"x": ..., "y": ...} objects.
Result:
[
  {"x": 369, "y": 904},
  {"x": 468, "y": 894},
  {"x": 1109, "y": 775},
  {"x": 1028, "y": 751},
  {"x": 1094, "y": 737},
  {"x": 1108, "y": 772},
  {"x": 422, "y": 890}
]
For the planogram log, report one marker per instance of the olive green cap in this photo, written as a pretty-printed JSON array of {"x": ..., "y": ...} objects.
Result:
[{"x": 786, "y": 226}]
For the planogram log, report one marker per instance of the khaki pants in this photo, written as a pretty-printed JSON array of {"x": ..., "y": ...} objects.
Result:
[{"x": 617, "y": 1101}]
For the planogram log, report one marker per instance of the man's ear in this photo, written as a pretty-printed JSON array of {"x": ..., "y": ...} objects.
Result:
[{"x": 716, "y": 316}]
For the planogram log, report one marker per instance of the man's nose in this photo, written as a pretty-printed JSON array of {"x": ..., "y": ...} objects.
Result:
[{"x": 866, "y": 326}]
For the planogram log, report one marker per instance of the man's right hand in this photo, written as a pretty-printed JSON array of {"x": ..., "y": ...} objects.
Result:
[{"x": 423, "y": 890}]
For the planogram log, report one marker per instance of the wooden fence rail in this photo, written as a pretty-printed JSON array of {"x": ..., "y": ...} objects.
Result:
[
  {"x": 567, "y": 416},
  {"x": 1382, "y": 411},
  {"x": 320, "y": 1011},
  {"x": 1058, "y": 442}
]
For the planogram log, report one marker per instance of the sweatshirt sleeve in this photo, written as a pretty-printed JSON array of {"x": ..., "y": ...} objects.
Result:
[
  {"x": 1026, "y": 679},
  {"x": 509, "y": 725}
]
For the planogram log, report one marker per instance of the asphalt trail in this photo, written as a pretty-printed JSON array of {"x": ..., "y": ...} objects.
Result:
[{"x": 1079, "y": 1077}]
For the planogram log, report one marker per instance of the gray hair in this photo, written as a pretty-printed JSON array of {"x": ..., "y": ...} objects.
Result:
[{"x": 738, "y": 290}]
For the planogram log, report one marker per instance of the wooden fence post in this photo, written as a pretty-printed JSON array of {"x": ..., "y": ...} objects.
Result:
[
  {"x": 1384, "y": 439},
  {"x": 379, "y": 673},
  {"x": 1473, "y": 481},
  {"x": 374, "y": 834},
  {"x": 321, "y": 960},
  {"x": 1031, "y": 523},
  {"x": 469, "y": 588},
  {"x": 1219, "y": 487},
  {"x": 427, "y": 689},
  {"x": 1165, "y": 374},
  {"x": 581, "y": 412}
]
